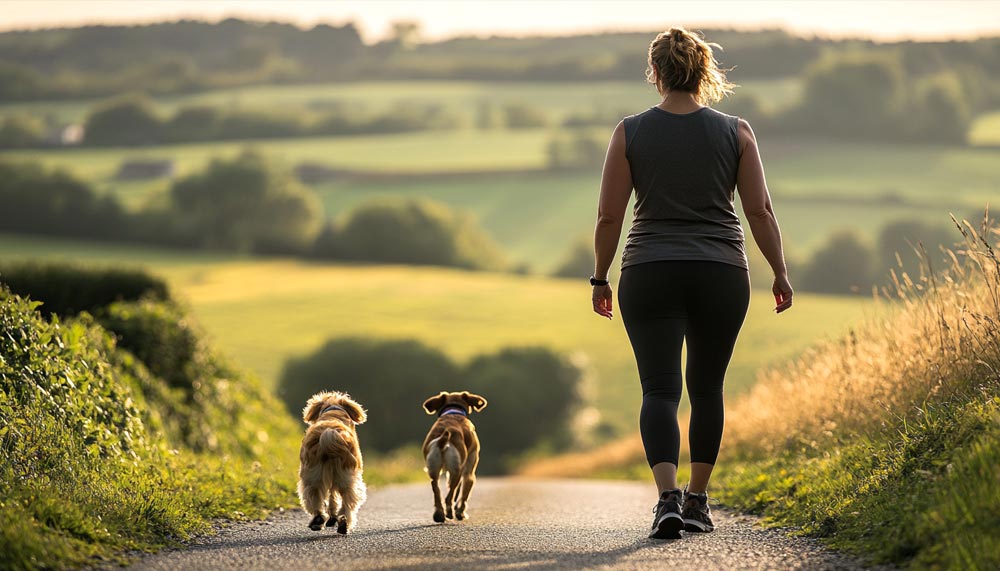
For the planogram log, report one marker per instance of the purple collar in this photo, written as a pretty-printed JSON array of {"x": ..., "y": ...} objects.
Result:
[{"x": 453, "y": 409}]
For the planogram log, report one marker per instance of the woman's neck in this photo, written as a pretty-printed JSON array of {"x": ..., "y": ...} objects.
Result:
[{"x": 680, "y": 102}]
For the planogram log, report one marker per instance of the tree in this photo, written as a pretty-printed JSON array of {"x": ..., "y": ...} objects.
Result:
[
  {"x": 417, "y": 232},
  {"x": 389, "y": 378},
  {"x": 941, "y": 110},
  {"x": 131, "y": 120},
  {"x": 855, "y": 96},
  {"x": 842, "y": 265},
  {"x": 245, "y": 204},
  {"x": 533, "y": 395},
  {"x": 579, "y": 261},
  {"x": 18, "y": 131}
]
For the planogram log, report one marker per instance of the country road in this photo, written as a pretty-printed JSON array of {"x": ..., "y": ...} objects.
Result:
[{"x": 515, "y": 524}]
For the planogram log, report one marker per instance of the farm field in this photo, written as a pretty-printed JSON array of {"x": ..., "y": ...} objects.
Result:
[
  {"x": 536, "y": 214},
  {"x": 263, "y": 311},
  {"x": 558, "y": 99}
]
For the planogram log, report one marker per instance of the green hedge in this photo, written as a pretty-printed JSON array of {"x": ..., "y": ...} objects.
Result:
[{"x": 66, "y": 290}]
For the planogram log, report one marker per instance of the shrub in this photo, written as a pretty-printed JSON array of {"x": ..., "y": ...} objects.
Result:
[
  {"x": 126, "y": 121},
  {"x": 246, "y": 204},
  {"x": 213, "y": 406},
  {"x": 66, "y": 289},
  {"x": 416, "y": 232},
  {"x": 577, "y": 151},
  {"x": 389, "y": 378},
  {"x": 842, "y": 265},
  {"x": 87, "y": 468},
  {"x": 18, "y": 131},
  {"x": 579, "y": 261},
  {"x": 197, "y": 123},
  {"x": 40, "y": 201},
  {"x": 533, "y": 395},
  {"x": 523, "y": 116}
]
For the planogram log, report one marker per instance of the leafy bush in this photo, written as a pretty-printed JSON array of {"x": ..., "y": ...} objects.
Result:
[
  {"x": 533, "y": 393},
  {"x": 126, "y": 121},
  {"x": 844, "y": 264},
  {"x": 40, "y": 201},
  {"x": 17, "y": 131},
  {"x": 579, "y": 261},
  {"x": 416, "y": 232},
  {"x": 90, "y": 461},
  {"x": 246, "y": 204},
  {"x": 66, "y": 289},
  {"x": 215, "y": 407},
  {"x": 389, "y": 378}
]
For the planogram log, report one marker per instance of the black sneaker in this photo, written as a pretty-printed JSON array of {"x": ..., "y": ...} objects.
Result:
[
  {"x": 697, "y": 516},
  {"x": 667, "y": 520}
]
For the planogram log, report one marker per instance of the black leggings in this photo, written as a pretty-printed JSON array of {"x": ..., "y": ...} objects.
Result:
[{"x": 664, "y": 304}]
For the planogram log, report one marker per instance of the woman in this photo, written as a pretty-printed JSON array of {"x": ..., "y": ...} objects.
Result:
[{"x": 684, "y": 271}]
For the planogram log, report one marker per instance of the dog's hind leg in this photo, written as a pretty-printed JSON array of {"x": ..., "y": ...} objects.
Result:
[
  {"x": 434, "y": 463},
  {"x": 351, "y": 499},
  {"x": 333, "y": 505},
  {"x": 314, "y": 502},
  {"x": 453, "y": 463},
  {"x": 468, "y": 481}
]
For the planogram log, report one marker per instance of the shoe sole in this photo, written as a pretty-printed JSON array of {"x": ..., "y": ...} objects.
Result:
[
  {"x": 696, "y": 526},
  {"x": 669, "y": 527}
]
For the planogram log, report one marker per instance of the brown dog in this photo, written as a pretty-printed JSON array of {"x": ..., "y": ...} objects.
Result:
[
  {"x": 452, "y": 444},
  {"x": 330, "y": 484}
]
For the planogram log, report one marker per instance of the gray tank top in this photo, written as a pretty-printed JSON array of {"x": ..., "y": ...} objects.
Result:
[{"x": 684, "y": 174}]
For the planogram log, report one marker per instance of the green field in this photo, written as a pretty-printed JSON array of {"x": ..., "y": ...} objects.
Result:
[
  {"x": 535, "y": 214},
  {"x": 558, "y": 99},
  {"x": 263, "y": 311}
]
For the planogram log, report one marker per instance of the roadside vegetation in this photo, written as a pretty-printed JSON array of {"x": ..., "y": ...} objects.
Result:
[
  {"x": 886, "y": 442},
  {"x": 120, "y": 428}
]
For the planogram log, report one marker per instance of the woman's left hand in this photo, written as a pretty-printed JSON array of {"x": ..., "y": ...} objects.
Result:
[{"x": 602, "y": 301}]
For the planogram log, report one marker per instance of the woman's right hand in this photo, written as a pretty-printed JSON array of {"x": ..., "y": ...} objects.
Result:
[{"x": 782, "y": 291}]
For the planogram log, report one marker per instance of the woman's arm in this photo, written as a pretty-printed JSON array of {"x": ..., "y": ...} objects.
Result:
[
  {"x": 616, "y": 187},
  {"x": 760, "y": 214}
]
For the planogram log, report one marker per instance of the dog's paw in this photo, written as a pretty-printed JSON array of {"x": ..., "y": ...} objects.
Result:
[
  {"x": 317, "y": 522},
  {"x": 439, "y": 516},
  {"x": 460, "y": 514},
  {"x": 450, "y": 514},
  {"x": 332, "y": 522},
  {"x": 342, "y": 525}
]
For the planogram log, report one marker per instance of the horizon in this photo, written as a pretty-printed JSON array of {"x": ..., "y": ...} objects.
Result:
[{"x": 880, "y": 20}]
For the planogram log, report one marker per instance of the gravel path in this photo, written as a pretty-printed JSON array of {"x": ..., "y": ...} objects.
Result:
[{"x": 514, "y": 524}]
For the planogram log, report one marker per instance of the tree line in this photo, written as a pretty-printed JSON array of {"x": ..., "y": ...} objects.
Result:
[
  {"x": 246, "y": 205},
  {"x": 187, "y": 56}
]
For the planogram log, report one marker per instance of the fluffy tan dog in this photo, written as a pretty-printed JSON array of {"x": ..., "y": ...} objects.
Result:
[
  {"x": 330, "y": 485},
  {"x": 452, "y": 445}
]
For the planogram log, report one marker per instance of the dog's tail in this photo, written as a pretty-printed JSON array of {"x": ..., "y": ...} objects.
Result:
[
  {"x": 334, "y": 444},
  {"x": 444, "y": 439}
]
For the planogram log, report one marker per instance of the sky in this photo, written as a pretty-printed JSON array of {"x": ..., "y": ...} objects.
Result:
[{"x": 884, "y": 20}]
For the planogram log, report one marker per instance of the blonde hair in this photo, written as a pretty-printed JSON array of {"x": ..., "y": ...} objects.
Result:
[{"x": 680, "y": 60}]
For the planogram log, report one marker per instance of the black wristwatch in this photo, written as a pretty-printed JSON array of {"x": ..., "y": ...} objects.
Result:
[{"x": 596, "y": 282}]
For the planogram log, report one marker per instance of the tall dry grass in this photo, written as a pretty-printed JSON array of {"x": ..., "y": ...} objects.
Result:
[
  {"x": 934, "y": 336},
  {"x": 930, "y": 337}
]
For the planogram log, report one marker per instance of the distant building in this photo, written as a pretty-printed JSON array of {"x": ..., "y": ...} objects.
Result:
[
  {"x": 145, "y": 169},
  {"x": 65, "y": 135}
]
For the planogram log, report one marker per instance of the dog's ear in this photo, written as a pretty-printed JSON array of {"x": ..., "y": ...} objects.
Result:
[
  {"x": 476, "y": 402},
  {"x": 311, "y": 412},
  {"x": 354, "y": 410},
  {"x": 435, "y": 403}
]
